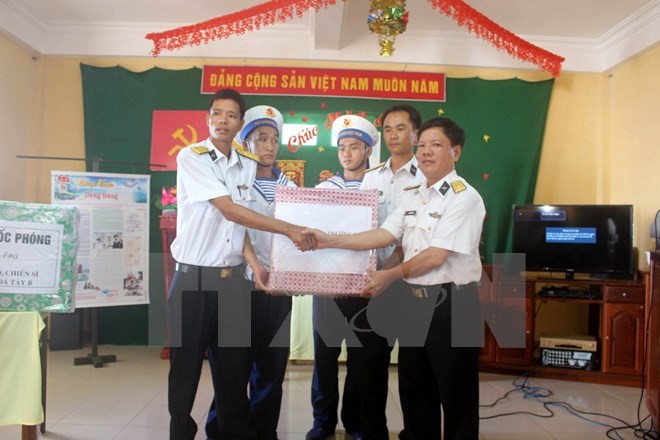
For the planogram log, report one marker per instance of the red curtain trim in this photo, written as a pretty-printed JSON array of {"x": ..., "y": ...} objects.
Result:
[
  {"x": 483, "y": 27},
  {"x": 247, "y": 20},
  {"x": 269, "y": 12}
]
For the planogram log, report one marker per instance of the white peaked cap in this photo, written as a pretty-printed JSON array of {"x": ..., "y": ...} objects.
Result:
[
  {"x": 259, "y": 116},
  {"x": 354, "y": 126}
]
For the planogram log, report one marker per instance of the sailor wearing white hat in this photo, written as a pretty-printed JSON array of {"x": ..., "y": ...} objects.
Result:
[
  {"x": 261, "y": 116},
  {"x": 355, "y": 136}
]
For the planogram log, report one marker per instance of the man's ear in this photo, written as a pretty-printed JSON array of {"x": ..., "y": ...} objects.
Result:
[{"x": 456, "y": 151}]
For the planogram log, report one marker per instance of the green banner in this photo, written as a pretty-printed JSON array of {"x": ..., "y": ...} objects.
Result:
[{"x": 504, "y": 121}]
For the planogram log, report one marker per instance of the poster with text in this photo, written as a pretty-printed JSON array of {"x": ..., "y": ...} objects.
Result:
[
  {"x": 38, "y": 245},
  {"x": 113, "y": 253}
]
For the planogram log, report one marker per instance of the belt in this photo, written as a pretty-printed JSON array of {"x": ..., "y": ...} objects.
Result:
[
  {"x": 221, "y": 272},
  {"x": 423, "y": 291}
]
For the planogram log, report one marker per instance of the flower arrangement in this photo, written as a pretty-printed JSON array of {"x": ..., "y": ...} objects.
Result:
[{"x": 167, "y": 199}]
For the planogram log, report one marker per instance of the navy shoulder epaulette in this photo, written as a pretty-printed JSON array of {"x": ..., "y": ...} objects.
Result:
[
  {"x": 247, "y": 154},
  {"x": 200, "y": 149},
  {"x": 458, "y": 186},
  {"x": 380, "y": 165}
]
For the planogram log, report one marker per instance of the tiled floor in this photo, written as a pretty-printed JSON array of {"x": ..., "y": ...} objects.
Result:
[{"x": 127, "y": 400}]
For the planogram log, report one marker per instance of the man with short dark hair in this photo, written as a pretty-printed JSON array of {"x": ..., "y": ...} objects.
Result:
[
  {"x": 209, "y": 301},
  {"x": 439, "y": 225},
  {"x": 391, "y": 178},
  {"x": 261, "y": 135}
]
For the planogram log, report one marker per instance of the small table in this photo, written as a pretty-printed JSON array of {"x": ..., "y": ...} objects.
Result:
[{"x": 23, "y": 378}]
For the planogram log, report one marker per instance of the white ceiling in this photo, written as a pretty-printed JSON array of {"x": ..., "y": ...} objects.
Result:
[{"x": 593, "y": 35}]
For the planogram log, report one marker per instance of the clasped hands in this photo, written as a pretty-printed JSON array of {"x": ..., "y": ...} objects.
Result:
[{"x": 308, "y": 239}]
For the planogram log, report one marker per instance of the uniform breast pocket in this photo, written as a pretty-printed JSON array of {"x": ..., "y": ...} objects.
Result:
[
  {"x": 410, "y": 220},
  {"x": 242, "y": 195}
]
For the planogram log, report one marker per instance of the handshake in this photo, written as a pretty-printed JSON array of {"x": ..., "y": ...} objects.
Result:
[{"x": 308, "y": 239}]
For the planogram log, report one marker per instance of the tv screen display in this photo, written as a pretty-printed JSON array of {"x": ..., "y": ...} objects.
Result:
[{"x": 592, "y": 239}]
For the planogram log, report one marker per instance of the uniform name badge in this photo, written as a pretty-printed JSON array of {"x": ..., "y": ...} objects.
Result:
[{"x": 326, "y": 271}]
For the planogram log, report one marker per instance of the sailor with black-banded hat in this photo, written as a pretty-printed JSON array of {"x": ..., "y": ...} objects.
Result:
[{"x": 209, "y": 302}]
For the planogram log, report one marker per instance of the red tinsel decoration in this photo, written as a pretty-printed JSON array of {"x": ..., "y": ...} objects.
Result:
[
  {"x": 267, "y": 13},
  {"x": 485, "y": 28},
  {"x": 247, "y": 20}
]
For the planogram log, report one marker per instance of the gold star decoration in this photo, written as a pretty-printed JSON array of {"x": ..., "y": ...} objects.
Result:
[
  {"x": 321, "y": 149},
  {"x": 441, "y": 112},
  {"x": 486, "y": 138}
]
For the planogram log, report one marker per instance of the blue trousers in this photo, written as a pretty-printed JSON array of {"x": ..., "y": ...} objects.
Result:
[
  {"x": 270, "y": 335},
  {"x": 366, "y": 385}
]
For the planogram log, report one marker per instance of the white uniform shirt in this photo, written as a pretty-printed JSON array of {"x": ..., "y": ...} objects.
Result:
[
  {"x": 204, "y": 237},
  {"x": 390, "y": 186},
  {"x": 263, "y": 203},
  {"x": 338, "y": 182},
  {"x": 438, "y": 216}
]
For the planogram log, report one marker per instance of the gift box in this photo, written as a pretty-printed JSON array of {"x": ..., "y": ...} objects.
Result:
[{"x": 327, "y": 272}]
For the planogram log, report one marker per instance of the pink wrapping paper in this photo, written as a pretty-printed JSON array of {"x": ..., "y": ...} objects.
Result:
[{"x": 326, "y": 272}]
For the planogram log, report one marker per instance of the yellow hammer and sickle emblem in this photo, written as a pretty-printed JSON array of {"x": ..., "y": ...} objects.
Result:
[{"x": 178, "y": 135}]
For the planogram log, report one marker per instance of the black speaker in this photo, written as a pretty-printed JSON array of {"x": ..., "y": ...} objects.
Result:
[{"x": 65, "y": 331}]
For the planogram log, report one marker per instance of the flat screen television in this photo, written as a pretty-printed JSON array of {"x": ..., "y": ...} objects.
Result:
[{"x": 590, "y": 239}]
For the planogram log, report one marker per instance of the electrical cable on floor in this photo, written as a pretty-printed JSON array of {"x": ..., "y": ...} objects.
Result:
[{"x": 540, "y": 394}]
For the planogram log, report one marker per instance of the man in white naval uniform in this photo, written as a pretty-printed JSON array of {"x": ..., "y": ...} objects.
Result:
[
  {"x": 391, "y": 178},
  {"x": 209, "y": 303},
  {"x": 261, "y": 135},
  {"x": 439, "y": 225}
]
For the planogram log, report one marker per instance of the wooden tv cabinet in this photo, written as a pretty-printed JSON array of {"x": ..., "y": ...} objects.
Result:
[
  {"x": 616, "y": 319},
  {"x": 653, "y": 354}
]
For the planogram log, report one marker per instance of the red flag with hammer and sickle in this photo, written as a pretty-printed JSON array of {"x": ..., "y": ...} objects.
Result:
[{"x": 171, "y": 131}]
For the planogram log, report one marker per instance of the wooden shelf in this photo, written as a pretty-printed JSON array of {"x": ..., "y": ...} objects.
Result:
[
  {"x": 575, "y": 375},
  {"x": 653, "y": 339},
  {"x": 616, "y": 321},
  {"x": 568, "y": 300}
]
